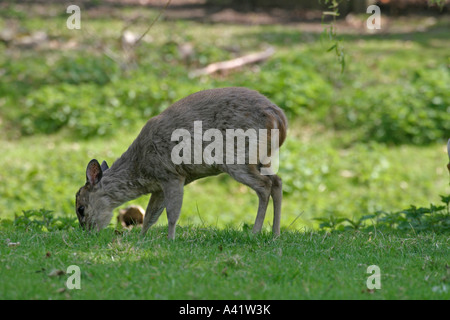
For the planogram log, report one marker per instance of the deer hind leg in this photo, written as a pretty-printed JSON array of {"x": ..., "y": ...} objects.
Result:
[
  {"x": 154, "y": 209},
  {"x": 277, "y": 197},
  {"x": 250, "y": 176}
]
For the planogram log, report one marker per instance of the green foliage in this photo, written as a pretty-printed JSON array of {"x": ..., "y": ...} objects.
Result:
[
  {"x": 400, "y": 99},
  {"x": 83, "y": 69},
  {"x": 413, "y": 111},
  {"x": 329, "y": 33},
  {"x": 440, "y": 3},
  {"x": 293, "y": 83},
  {"x": 212, "y": 263},
  {"x": 434, "y": 218},
  {"x": 42, "y": 220}
]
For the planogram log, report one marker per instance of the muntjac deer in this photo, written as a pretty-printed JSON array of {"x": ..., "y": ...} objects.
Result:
[{"x": 157, "y": 162}]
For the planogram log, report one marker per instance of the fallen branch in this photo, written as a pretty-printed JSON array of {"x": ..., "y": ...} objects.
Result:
[{"x": 234, "y": 63}]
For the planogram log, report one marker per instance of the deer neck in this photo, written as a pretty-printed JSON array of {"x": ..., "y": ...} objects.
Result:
[{"x": 122, "y": 182}]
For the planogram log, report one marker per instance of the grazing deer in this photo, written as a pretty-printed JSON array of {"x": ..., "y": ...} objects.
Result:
[{"x": 148, "y": 165}]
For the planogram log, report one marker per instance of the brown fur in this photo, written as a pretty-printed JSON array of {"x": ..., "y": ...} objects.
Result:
[{"x": 131, "y": 216}]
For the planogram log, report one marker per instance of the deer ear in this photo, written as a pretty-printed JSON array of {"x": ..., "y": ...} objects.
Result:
[
  {"x": 104, "y": 166},
  {"x": 94, "y": 172}
]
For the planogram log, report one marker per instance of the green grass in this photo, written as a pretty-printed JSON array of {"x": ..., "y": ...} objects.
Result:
[
  {"x": 410, "y": 249},
  {"x": 225, "y": 263},
  {"x": 369, "y": 140}
]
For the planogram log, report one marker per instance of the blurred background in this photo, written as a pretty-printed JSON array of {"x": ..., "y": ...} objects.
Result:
[{"x": 369, "y": 110}]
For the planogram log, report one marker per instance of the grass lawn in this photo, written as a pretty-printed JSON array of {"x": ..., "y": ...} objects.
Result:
[{"x": 226, "y": 263}]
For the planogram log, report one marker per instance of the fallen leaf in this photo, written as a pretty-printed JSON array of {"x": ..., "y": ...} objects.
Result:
[
  {"x": 61, "y": 290},
  {"x": 13, "y": 244},
  {"x": 56, "y": 273}
]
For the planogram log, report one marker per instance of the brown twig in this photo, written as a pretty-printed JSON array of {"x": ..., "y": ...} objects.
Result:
[
  {"x": 234, "y": 63},
  {"x": 153, "y": 22}
]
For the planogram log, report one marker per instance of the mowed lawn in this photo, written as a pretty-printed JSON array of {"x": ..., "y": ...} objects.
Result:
[{"x": 210, "y": 263}]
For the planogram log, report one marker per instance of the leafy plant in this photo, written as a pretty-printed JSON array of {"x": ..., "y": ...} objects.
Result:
[
  {"x": 43, "y": 220},
  {"x": 329, "y": 33},
  {"x": 434, "y": 218},
  {"x": 412, "y": 111},
  {"x": 439, "y": 3},
  {"x": 331, "y": 222}
]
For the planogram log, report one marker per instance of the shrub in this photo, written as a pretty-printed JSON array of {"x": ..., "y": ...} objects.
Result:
[
  {"x": 43, "y": 220},
  {"x": 434, "y": 218},
  {"x": 415, "y": 111}
]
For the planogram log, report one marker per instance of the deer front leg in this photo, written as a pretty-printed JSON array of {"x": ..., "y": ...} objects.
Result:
[
  {"x": 173, "y": 200},
  {"x": 154, "y": 209}
]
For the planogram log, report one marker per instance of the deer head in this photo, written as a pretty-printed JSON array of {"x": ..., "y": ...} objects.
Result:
[{"x": 92, "y": 205}]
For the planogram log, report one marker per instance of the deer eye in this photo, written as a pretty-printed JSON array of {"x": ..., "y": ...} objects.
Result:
[{"x": 81, "y": 210}]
